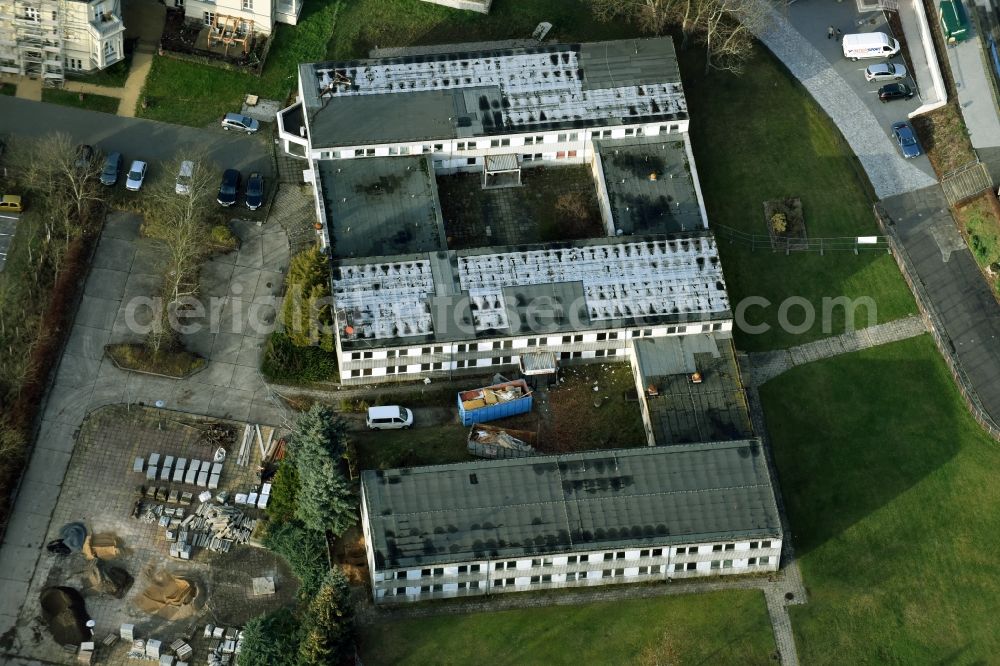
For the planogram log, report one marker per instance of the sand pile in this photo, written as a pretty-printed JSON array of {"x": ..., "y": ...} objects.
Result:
[
  {"x": 102, "y": 546},
  {"x": 168, "y": 596}
]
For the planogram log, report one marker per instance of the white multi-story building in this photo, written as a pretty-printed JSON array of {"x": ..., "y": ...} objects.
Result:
[
  {"x": 373, "y": 135},
  {"x": 45, "y": 38},
  {"x": 258, "y": 15},
  {"x": 595, "y": 518}
]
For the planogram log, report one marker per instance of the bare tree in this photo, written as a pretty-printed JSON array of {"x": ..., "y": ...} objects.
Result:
[
  {"x": 724, "y": 27},
  {"x": 64, "y": 179},
  {"x": 180, "y": 221}
]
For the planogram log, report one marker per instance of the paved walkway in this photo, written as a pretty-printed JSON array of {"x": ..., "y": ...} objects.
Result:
[
  {"x": 244, "y": 288},
  {"x": 768, "y": 365},
  {"x": 887, "y": 171},
  {"x": 975, "y": 94}
]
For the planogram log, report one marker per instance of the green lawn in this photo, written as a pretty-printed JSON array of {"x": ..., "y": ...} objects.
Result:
[
  {"x": 387, "y": 449},
  {"x": 88, "y": 101},
  {"x": 718, "y": 628},
  {"x": 775, "y": 142},
  {"x": 892, "y": 496}
]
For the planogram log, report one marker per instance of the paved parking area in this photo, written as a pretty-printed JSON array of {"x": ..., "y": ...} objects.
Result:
[
  {"x": 8, "y": 222},
  {"x": 839, "y": 87},
  {"x": 136, "y": 139},
  {"x": 240, "y": 292}
]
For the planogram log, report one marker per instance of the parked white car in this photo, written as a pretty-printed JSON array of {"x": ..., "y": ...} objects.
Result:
[
  {"x": 183, "y": 184},
  {"x": 391, "y": 417},
  {"x": 136, "y": 174},
  {"x": 885, "y": 72}
]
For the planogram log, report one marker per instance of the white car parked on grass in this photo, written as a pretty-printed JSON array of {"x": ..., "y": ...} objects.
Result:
[
  {"x": 885, "y": 72},
  {"x": 136, "y": 174}
]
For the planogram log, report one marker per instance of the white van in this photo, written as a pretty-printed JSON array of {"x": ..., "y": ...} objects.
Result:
[
  {"x": 869, "y": 45},
  {"x": 184, "y": 178},
  {"x": 392, "y": 417}
]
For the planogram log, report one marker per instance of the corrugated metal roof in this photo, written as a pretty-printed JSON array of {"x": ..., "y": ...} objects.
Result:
[
  {"x": 583, "y": 501},
  {"x": 505, "y": 162}
]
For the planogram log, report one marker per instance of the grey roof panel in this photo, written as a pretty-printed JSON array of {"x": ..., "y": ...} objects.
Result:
[{"x": 584, "y": 501}]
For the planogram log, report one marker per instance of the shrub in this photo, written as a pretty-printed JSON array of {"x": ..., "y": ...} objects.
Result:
[
  {"x": 303, "y": 549},
  {"x": 306, "y": 311},
  {"x": 284, "y": 362},
  {"x": 779, "y": 223},
  {"x": 223, "y": 238},
  {"x": 284, "y": 493},
  {"x": 271, "y": 640},
  {"x": 326, "y": 634},
  {"x": 169, "y": 362}
]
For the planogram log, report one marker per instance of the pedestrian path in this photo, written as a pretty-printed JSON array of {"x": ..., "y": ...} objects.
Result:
[
  {"x": 768, "y": 365},
  {"x": 975, "y": 92}
]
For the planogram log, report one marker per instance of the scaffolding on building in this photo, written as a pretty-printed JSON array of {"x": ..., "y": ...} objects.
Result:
[{"x": 31, "y": 39}]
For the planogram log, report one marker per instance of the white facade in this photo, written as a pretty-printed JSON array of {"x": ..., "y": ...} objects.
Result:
[
  {"x": 262, "y": 14},
  {"x": 46, "y": 38}
]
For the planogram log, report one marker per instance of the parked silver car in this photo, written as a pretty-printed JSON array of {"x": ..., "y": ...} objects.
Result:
[
  {"x": 885, "y": 71},
  {"x": 238, "y": 121}
]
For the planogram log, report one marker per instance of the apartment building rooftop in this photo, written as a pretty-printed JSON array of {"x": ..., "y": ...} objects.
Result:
[
  {"x": 489, "y": 92},
  {"x": 596, "y": 500},
  {"x": 491, "y": 292}
]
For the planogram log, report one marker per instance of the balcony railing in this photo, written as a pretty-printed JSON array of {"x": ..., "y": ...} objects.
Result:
[{"x": 106, "y": 25}]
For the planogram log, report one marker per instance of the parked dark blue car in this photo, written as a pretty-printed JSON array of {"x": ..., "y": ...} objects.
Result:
[{"x": 907, "y": 140}]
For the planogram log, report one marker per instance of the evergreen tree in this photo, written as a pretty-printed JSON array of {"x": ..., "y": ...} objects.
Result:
[
  {"x": 306, "y": 311},
  {"x": 270, "y": 640},
  {"x": 317, "y": 448},
  {"x": 326, "y": 636}
]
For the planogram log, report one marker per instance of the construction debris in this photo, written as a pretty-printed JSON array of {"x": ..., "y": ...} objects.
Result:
[
  {"x": 216, "y": 527},
  {"x": 487, "y": 441},
  {"x": 101, "y": 546}
]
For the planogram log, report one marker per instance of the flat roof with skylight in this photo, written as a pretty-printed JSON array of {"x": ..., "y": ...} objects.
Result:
[{"x": 490, "y": 92}]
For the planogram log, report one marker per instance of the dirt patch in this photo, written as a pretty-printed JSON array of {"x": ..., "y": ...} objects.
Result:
[
  {"x": 65, "y": 615},
  {"x": 786, "y": 225},
  {"x": 104, "y": 578}
]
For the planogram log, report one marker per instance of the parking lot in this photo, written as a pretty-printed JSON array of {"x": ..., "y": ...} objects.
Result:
[
  {"x": 136, "y": 139},
  {"x": 812, "y": 21}
]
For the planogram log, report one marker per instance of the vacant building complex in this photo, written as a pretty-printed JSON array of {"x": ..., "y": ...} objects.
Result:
[
  {"x": 42, "y": 39},
  {"x": 592, "y": 518}
]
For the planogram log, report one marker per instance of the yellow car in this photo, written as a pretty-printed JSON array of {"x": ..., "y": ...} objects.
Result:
[{"x": 10, "y": 203}]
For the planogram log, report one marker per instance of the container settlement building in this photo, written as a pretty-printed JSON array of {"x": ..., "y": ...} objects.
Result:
[{"x": 373, "y": 135}]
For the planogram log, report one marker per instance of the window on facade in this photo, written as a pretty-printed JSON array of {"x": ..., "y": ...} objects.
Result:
[
  {"x": 577, "y": 338},
  {"x": 208, "y": 17},
  {"x": 535, "y": 579},
  {"x": 504, "y": 142},
  {"x": 463, "y": 568},
  {"x": 717, "y": 327},
  {"x": 461, "y": 586},
  {"x": 570, "y": 153},
  {"x": 656, "y": 568},
  {"x": 508, "y": 581},
  {"x": 390, "y": 369},
  {"x": 727, "y": 564},
  {"x": 629, "y": 131},
  {"x": 752, "y": 561},
  {"x": 730, "y": 546},
  {"x": 31, "y": 14},
  {"x": 571, "y": 559},
  {"x": 608, "y": 557},
  {"x": 577, "y": 354},
  {"x": 404, "y": 150},
  {"x": 643, "y": 553},
  {"x": 567, "y": 339},
  {"x": 691, "y": 566},
  {"x": 715, "y": 564},
  {"x": 425, "y": 148},
  {"x": 355, "y": 356},
  {"x": 393, "y": 150},
  {"x": 460, "y": 145},
  {"x": 369, "y": 151},
  {"x": 439, "y": 571},
  {"x": 497, "y": 583},
  {"x": 561, "y": 154},
  {"x": 366, "y": 372},
  {"x": 355, "y": 373},
  {"x": 498, "y": 566},
  {"x": 765, "y": 544},
  {"x": 470, "y": 161},
  {"x": 561, "y": 138},
  {"x": 657, "y": 552},
  {"x": 400, "y": 575},
  {"x": 425, "y": 588},
  {"x": 753, "y": 545},
  {"x": 474, "y": 585},
  {"x": 436, "y": 366},
  {"x": 438, "y": 147},
  {"x": 425, "y": 366},
  {"x": 248, "y": 5},
  {"x": 532, "y": 342},
  {"x": 526, "y": 157},
  {"x": 763, "y": 560},
  {"x": 474, "y": 568},
  {"x": 495, "y": 143},
  {"x": 425, "y": 572},
  {"x": 606, "y": 134},
  {"x": 620, "y": 555},
  {"x": 529, "y": 140},
  {"x": 570, "y": 577},
  {"x": 564, "y": 355},
  {"x": 574, "y": 136},
  {"x": 643, "y": 570},
  {"x": 619, "y": 572},
  {"x": 717, "y": 548},
  {"x": 536, "y": 563},
  {"x": 598, "y": 353},
  {"x": 681, "y": 550},
  {"x": 606, "y": 573},
  {"x": 400, "y": 590}
]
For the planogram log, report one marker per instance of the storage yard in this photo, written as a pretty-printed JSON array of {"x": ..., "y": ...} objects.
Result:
[{"x": 161, "y": 558}]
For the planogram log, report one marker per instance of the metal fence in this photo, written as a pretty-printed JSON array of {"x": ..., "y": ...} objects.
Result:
[
  {"x": 934, "y": 325},
  {"x": 855, "y": 244}
]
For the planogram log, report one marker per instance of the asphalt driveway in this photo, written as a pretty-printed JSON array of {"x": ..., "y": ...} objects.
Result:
[{"x": 135, "y": 139}]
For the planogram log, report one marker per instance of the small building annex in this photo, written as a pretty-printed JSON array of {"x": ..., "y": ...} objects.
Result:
[{"x": 594, "y": 518}]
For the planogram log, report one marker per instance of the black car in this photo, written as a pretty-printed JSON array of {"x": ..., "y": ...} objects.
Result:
[
  {"x": 84, "y": 156},
  {"x": 230, "y": 187},
  {"x": 112, "y": 167},
  {"x": 893, "y": 91},
  {"x": 255, "y": 191}
]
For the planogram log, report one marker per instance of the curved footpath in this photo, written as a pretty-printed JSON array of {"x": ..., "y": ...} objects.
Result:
[{"x": 887, "y": 171}]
